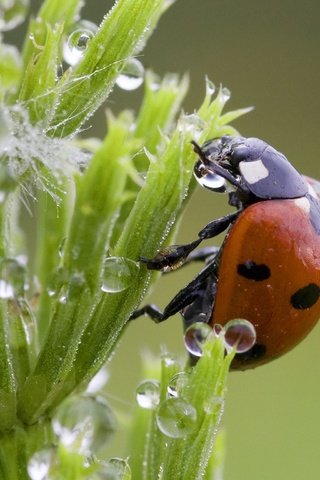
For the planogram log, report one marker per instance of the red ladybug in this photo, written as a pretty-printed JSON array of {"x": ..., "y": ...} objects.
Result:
[{"x": 268, "y": 269}]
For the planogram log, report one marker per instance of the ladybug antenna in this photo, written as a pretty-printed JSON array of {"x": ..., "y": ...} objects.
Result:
[{"x": 197, "y": 149}]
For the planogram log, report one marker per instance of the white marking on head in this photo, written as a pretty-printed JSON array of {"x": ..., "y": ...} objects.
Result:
[
  {"x": 253, "y": 171},
  {"x": 304, "y": 204}
]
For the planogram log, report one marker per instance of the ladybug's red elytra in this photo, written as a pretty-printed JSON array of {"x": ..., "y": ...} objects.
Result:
[{"x": 267, "y": 270}]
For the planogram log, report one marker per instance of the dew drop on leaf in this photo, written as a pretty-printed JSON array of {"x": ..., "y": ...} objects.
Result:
[
  {"x": 118, "y": 274},
  {"x": 84, "y": 424},
  {"x": 239, "y": 334},
  {"x": 40, "y": 463},
  {"x": 176, "y": 418},
  {"x": 114, "y": 469},
  {"x": 148, "y": 394},
  {"x": 178, "y": 383},
  {"x": 77, "y": 42},
  {"x": 206, "y": 178},
  {"x": 196, "y": 336},
  {"x": 132, "y": 75}
]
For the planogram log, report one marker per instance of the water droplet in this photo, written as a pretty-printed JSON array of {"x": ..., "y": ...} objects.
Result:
[
  {"x": 132, "y": 75},
  {"x": 239, "y": 334},
  {"x": 77, "y": 42},
  {"x": 118, "y": 274},
  {"x": 191, "y": 123},
  {"x": 218, "y": 329},
  {"x": 178, "y": 383},
  {"x": 63, "y": 297},
  {"x": 195, "y": 337},
  {"x": 214, "y": 405},
  {"x": 206, "y": 178},
  {"x": 176, "y": 418},
  {"x": 29, "y": 322},
  {"x": 57, "y": 279},
  {"x": 75, "y": 285},
  {"x": 84, "y": 424},
  {"x": 40, "y": 463},
  {"x": 225, "y": 94},
  {"x": 114, "y": 469},
  {"x": 12, "y": 13},
  {"x": 148, "y": 394},
  {"x": 13, "y": 282},
  {"x": 210, "y": 87}
]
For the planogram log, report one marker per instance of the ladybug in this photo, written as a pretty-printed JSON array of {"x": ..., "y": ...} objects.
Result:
[{"x": 267, "y": 270}]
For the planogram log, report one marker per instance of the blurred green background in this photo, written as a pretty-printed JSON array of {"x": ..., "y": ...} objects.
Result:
[{"x": 267, "y": 54}]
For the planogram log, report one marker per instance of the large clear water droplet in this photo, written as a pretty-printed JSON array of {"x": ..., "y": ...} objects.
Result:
[
  {"x": 206, "y": 178},
  {"x": 119, "y": 272},
  {"x": 148, "y": 394},
  {"x": 179, "y": 382},
  {"x": 239, "y": 334},
  {"x": 195, "y": 337},
  {"x": 225, "y": 94},
  {"x": 13, "y": 283},
  {"x": 114, "y": 469},
  {"x": 176, "y": 418},
  {"x": 132, "y": 75},
  {"x": 84, "y": 424},
  {"x": 210, "y": 87},
  {"x": 40, "y": 463},
  {"x": 12, "y": 13},
  {"x": 77, "y": 42}
]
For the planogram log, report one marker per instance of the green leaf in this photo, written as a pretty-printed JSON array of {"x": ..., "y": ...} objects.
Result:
[
  {"x": 194, "y": 454},
  {"x": 51, "y": 14},
  {"x": 38, "y": 90},
  {"x": 82, "y": 262},
  {"x": 91, "y": 81}
]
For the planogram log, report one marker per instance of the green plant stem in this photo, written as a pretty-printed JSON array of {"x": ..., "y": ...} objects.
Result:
[
  {"x": 17, "y": 446},
  {"x": 7, "y": 380},
  {"x": 51, "y": 231},
  {"x": 90, "y": 229}
]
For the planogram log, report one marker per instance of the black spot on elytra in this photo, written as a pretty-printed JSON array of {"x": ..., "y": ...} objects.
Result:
[
  {"x": 254, "y": 271},
  {"x": 255, "y": 353},
  {"x": 305, "y": 297}
]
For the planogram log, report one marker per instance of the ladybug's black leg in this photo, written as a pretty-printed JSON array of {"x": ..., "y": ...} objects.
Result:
[
  {"x": 218, "y": 226},
  {"x": 172, "y": 257},
  {"x": 183, "y": 299}
]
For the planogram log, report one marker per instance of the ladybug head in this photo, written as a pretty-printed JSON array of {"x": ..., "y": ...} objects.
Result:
[
  {"x": 229, "y": 151},
  {"x": 219, "y": 151},
  {"x": 250, "y": 164}
]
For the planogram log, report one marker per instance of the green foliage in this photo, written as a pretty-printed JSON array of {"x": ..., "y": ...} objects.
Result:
[
  {"x": 93, "y": 205},
  {"x": 154, "y": 453}
]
